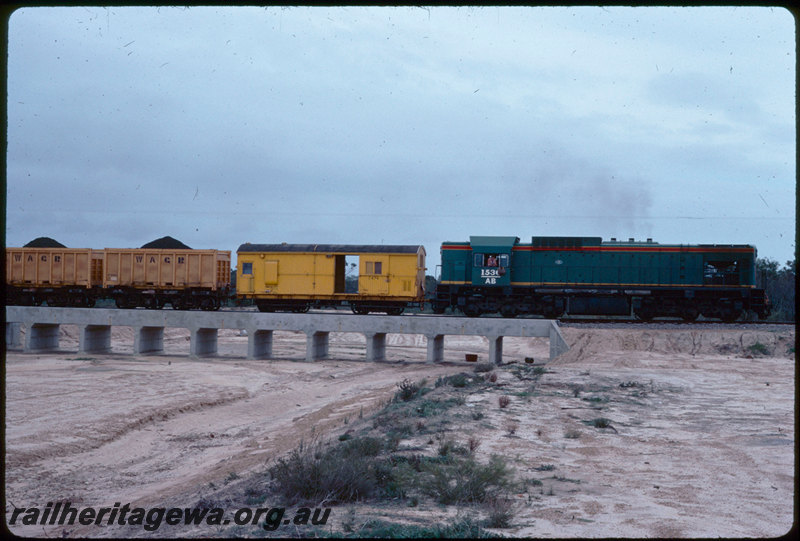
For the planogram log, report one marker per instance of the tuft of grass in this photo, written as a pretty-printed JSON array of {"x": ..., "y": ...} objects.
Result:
[
  {"x": 484, "y": 367},
  {"x": 501, "y": 511},
  {"x": 599, "y": 422},
  {"x": 379, "y": 529},
  {"x": 758, "y": 349},
  {"x": 503, "y": 401},
  {"x": 407, "y": 390},
  {"x": 466, "y": 481},
  {"x": 313, "y": 474}
]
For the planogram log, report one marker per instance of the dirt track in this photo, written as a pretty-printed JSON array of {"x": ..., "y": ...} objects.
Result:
[{"x": 702, "y": 443}]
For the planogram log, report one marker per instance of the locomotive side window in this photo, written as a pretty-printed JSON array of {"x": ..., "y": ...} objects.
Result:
[
  {"x": 721, "y": 273},
  {"x": 478, "y": 260},
  {"x": 247, "y": 268},
  {"x": 504, "y": 260}
]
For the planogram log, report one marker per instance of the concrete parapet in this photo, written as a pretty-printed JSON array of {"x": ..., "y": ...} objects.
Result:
[
  {"x": 148, "y": 340},
  {"x": 43, "y": 324},
  {"x": 13, "y": 335},
  {"x": 259, "y": 344},
  {"x": 376, "y": 346},
  {"x": 95, "y": 339},
  {"x": 41, "y": 336},
  {"x": 203, "y": 342}
]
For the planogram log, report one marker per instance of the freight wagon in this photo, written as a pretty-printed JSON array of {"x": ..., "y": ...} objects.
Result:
[
  {"x": 553, "y": 276},
  {"x": 153, "y": 278},
  {"x": 132, "y": 277},
  {"x": 296, "y": 277},
  {"x": 57, "y": 276}
]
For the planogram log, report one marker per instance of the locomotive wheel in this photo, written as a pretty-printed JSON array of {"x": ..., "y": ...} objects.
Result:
[
  {"x": 645, "y": 314},
  {"x": 731, "y": 315},
  {"x": 508, "y": 310},
  {"x": 472, "y": 310},
  {"x": 689, "y": 313},
  {"x": 551, "y": 313},
  {"x": 438, "y": 309}
]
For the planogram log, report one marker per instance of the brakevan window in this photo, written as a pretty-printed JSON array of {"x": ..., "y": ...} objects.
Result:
[
  {"x": 247, "y": 268},
  {"x": 374, "y": 267}
]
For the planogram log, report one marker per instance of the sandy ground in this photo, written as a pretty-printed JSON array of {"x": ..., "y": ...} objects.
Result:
[{"x": 702, "y": 440}]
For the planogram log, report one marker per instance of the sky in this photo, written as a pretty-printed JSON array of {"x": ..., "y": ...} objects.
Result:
[{"x": 401, "y": 125}]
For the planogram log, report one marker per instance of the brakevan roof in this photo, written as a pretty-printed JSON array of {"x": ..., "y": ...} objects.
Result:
[{"x": 333, "y": 248}]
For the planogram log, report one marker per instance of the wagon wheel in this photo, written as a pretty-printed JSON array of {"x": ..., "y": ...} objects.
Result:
[{"x": 395, "y": 311}]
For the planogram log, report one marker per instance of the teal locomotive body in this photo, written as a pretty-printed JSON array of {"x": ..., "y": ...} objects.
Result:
[{"x": 553, "y": 276}]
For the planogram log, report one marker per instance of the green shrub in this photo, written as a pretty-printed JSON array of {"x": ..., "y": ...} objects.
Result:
[
  {"x": 311, "y": 473},
  {"x": 466, "y": 481},
  {"x": 407, "y": 390},
  {"x": 758, "y": 349}
]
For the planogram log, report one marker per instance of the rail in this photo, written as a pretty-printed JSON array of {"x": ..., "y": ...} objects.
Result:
[{"x": 42, "y": 330}]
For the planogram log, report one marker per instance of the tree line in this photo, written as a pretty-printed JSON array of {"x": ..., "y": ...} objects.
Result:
[{"x": 779, "y": 283}]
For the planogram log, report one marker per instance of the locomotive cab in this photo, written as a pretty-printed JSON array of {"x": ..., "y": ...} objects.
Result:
[{"x": 491, "y": 260}]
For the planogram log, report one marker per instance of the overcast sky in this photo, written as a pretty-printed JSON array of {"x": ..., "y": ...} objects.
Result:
[{"x": 401, "y": 125}]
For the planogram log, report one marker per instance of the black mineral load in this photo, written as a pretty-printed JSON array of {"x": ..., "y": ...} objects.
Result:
[
  {"x": 44, "y": 242},
  {"x": 166, "y": 243}
]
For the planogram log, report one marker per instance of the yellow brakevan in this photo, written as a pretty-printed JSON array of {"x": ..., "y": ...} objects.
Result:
[{"x": 296, "y": 277}]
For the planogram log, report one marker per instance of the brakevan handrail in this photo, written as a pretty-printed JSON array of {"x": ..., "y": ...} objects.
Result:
[{"x": 95, "y": 337}]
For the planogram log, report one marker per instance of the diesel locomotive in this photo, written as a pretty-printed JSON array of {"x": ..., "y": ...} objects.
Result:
[
  {"x": 554, "y": 276},
  {"x": 550, "y": 277}
]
